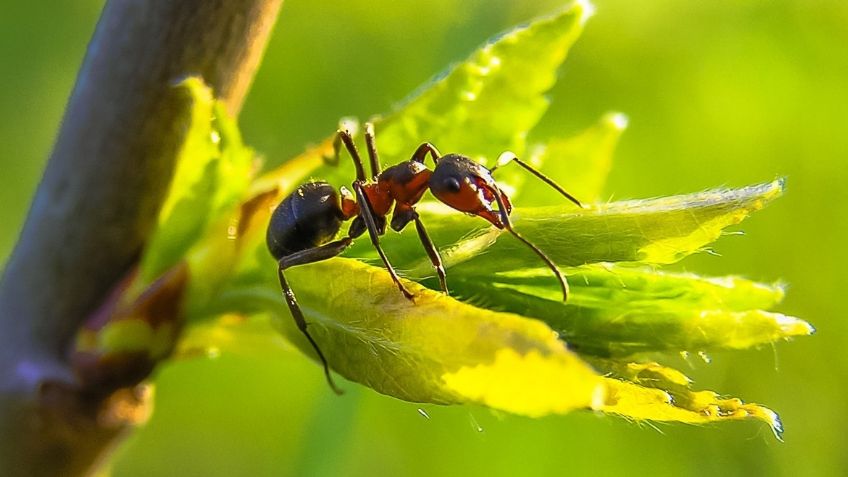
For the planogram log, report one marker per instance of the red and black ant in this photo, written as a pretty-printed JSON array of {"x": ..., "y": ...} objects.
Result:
[{"x": 304, "y": 224}]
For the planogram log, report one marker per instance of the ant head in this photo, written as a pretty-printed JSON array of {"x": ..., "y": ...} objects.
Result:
[{"x": 468, "y": 187}]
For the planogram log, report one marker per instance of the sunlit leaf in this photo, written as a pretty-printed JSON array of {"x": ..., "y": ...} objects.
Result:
[
  {"x": 656, "y": 231},
  {"x": 487, "y": 103},
  {"x": 649, "y": 391},
  {"x": 213, "y": 170},
  {"x": 231, "y": 334},
  {"x": 436, "y": 350},
  {"x": 621, "y": 311}
]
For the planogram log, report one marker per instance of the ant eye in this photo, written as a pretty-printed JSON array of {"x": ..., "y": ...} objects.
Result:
[{"x": 451, "y": 184}]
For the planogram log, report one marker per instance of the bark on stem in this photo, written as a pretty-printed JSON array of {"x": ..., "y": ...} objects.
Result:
[{"x": 98, "y": 200}]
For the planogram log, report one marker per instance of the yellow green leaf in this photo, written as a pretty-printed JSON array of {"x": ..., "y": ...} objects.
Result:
[
  {"x": 649, "y": 391},
  {"x": 615, "y": 310},
  {"x": 213, "y": 170},
  {"x": 435, "y": 349},
  {"x": 487, "y": 103},
  {"x": 655, "y": 231}
]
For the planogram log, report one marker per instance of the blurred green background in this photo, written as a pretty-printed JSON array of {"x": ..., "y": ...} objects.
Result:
[{"x": 718, "y": 93}]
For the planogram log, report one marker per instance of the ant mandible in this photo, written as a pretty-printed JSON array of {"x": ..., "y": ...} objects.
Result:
[{"x": 304, "y": 224}]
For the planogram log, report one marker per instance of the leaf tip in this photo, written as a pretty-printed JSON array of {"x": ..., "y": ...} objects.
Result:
[
  {"x": 773, "y": 189},
  {"x": 781, "y": 183},
  {"x": 776, "y": 425},
  {"x": 791, "y": 326},
  {"x": 585, "y": 9},
  {"x": 194, "y": 85},
  {"x": 616, "y": 120},
  {"x": 768, "y": 416}
]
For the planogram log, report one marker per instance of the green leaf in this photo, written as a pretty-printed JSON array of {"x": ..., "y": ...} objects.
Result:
[
  {"x": 486, "y": 104},
  {"x": 213, "y": 170},
  {"x": 655, "y": 231},
  {"x": 443, "y": 351},
  {"x": 230, "y": 334},
  {"x": 425, "y": 351},
  {"x": 619, "y": 311},
  {"x": 649, "y": 391},
  {"x": 436, "y": 350}
]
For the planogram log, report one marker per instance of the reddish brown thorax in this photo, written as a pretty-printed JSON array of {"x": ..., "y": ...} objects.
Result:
[{"x": 379, "y": 197}]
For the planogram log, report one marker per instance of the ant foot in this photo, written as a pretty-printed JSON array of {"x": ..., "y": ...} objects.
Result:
[{"x": 409, "y": 296}]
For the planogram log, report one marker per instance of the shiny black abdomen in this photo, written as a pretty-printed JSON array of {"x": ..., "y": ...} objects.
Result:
[{"x": 309, "y": 217}]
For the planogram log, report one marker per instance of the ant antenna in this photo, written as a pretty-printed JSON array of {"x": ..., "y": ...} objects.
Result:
[
  {"x": 508, "y": 157},
  {"x": 508, "y": 225},
  {"x": 343, "y": 136},
  {"x": 370, "y": 143}
]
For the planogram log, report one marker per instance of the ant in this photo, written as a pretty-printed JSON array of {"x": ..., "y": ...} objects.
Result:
[{"x": 304, "y": 224}]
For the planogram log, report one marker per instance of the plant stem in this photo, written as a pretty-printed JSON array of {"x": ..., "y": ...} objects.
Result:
[{"x": 98, "y": 201}]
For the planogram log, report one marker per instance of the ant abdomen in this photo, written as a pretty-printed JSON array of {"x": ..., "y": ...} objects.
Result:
[{"x": 309, "y": 217}]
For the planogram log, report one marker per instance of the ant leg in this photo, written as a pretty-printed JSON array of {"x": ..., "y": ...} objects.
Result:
[
  {"x": 432, "y": 252},
  {"x": 370, "y": 224},
  {"x": 308, "y": 256},
  {"x": 344, "y": 137},
  {"x": 421, "y": 153},
  {"x": 508, "y": 157},
  {"x": 370, "y": 142},
  {"x": 316, "y": 254},
  {"x": 297, "y": 314},
  {"x": 563, "y": 283}
]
